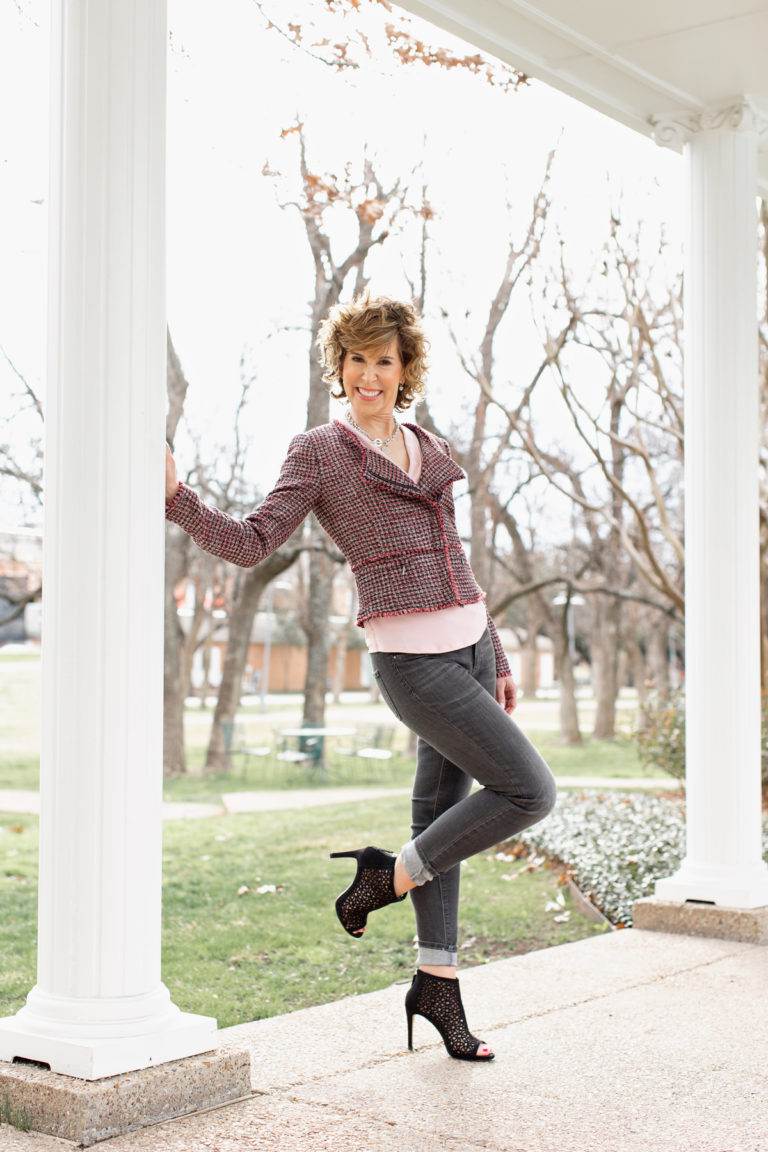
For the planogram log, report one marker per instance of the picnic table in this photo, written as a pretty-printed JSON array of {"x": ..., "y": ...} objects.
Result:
[{"x": 310, "y": 741}]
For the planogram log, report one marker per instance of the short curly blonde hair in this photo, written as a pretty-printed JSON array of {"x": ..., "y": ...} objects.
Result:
[{"x": 367, "y": 323}]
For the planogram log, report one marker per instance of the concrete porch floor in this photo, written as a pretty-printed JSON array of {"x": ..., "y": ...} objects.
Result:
[{"x": 634, "y": 1041}]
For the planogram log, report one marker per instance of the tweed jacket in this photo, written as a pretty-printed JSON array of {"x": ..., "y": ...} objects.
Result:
[{"x": 399, "y": 536}]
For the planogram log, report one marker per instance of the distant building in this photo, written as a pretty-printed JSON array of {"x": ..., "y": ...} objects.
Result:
[
  {"x": 544, "y": 672},
  {"x": 288, "y": 655},
  {"x": 21, "y": 570}
]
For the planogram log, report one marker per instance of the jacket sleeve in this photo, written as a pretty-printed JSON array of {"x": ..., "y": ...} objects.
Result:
[
  {"x": 249, "y": 541},
  {"x": 502, "y": 664}
]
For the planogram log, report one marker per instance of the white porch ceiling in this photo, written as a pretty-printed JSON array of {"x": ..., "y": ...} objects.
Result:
[{"x": 628, "y": 60}]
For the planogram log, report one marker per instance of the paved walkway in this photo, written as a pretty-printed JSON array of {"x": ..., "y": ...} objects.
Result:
[
  {"x": 303, "y": 798},
  {"x": 632, "y": 1041},
  {"x": 19, "y": 800},
  {"x": 231, "y": 802},
  {"x": 12, "y": 800}
]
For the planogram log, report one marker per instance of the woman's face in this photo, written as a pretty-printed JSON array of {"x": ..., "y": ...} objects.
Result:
[{"x": 371, "y": 380}]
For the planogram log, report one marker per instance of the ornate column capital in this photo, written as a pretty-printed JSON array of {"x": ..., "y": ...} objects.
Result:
[{"x": 742, "y": 114}]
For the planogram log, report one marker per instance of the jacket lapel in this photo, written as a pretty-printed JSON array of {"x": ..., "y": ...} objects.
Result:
[{"x": 437, "y": 468}]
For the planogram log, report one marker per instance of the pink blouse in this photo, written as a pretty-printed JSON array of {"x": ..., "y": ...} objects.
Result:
[{"x": 438, "y": 631}]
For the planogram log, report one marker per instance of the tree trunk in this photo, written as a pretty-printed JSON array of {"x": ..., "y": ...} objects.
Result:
[
  {"x": 763, "y": 621},
  {"x": 239, "y": 634},
  {"x": 605, "y": 647},
  {"x": 244, "y": 608},
  {"x": 658, "y": 657},
  {"x": 200, "y": 573},
  {"x": 177, "y": 551},
  {"x": 569, "y": 716},
  {"x": 318, "y": 609},
  {"x": 636, "y": 662},
  {"x": 176, "y": 561},
  {"x": 529, "y": 664}
]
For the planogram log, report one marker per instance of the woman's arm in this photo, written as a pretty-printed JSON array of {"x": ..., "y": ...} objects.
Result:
[
  {"x": 502, "y": 664},
  {"x": 249, "y": 541}
]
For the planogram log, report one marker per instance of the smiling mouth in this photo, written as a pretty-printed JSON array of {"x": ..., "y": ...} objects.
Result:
[{"x": 370, "y": 394}]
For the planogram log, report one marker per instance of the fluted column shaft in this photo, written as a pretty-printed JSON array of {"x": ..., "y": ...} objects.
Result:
[
  {"x": 723, "y": 862},
  {"x": 99, "y": 1006}
]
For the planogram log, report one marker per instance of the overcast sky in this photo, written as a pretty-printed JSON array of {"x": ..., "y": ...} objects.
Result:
[{"x": 239, "y": 274}]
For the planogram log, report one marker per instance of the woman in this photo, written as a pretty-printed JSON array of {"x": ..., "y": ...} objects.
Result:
[{"x": 382, "y": 489}]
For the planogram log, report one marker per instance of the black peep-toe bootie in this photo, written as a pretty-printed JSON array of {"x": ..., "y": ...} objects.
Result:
[
  {"x": 372, "y": 887},
  {"x": 438, "y": 999}
]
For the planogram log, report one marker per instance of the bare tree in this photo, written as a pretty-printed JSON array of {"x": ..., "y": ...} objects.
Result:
[
  {"x": 488, "y": 511},
  {"x": 377, "y": 212},
  {"x": 621, "y": 329},
  {"x": 177, "y": 561},
  {"x": 347, "y": 35},
  {"x": 27, "y": 476},
  {"x": 239, "y": 592},
  {"x": 633, "y": 328},
  {"x": 343, "y": 36}
]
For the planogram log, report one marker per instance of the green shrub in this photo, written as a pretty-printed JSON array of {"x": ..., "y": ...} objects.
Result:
[
  {"x": 659, "y": 733},
  {"x": 614, "y": 844}
]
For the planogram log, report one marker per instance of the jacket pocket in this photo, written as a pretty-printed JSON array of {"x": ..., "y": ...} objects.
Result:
[{"x": 386, "y": 694}]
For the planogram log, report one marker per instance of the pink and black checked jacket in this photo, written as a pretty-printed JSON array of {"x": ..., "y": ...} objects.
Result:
[{"x": 399, "y": 536}]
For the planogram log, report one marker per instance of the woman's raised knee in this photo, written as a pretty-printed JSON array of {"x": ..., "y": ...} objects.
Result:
[
  {"x": 547, "y": 799},
  {"x": 541, "y": 796}
]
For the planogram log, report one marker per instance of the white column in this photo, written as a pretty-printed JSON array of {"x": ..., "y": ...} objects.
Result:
[
  {"x": 723, "y": 864},
  {"x": 99, "y": 1007}
]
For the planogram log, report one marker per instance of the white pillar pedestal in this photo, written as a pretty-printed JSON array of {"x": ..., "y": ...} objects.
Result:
[
  {"x": 723, "y": 863},
  {"x": 99, "y": 1006}
]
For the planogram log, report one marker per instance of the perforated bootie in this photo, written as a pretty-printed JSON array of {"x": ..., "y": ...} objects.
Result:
[
  {"x": 438, "y": 999},
  {"x": 372, "y": 887}
]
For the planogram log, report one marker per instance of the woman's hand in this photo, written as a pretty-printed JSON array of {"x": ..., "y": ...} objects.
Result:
[
  {"x": 506, "y": 693},
  {"x": 171, "y": 480}
]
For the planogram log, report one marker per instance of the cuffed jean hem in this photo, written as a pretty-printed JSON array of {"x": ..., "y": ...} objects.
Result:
[
  {"x": 436, "y": 956},
  {"x": 414, "y": 865}
]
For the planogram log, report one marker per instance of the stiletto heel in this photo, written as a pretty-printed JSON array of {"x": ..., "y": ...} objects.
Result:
[
  {"x": 438, "y": 999},
  {"x": 373, "y": 887}
]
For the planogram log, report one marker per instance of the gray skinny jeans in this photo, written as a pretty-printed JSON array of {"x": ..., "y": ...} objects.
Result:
[{"x": 449, "y": 700}]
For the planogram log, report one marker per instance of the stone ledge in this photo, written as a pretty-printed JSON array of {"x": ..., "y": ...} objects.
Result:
[
  {"x": 747, "y": 925},
  {"x": 87, "y": 1111}
]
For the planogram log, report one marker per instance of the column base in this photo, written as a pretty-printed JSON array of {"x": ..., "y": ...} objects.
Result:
[
  {"x": 33, "y": 1098},
  {"x": 91, "y": 1058},
  {"x": 735, "y": 887},
  {"x": 747, "y": 925}
]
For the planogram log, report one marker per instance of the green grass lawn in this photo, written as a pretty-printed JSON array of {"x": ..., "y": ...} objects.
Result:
[
  {"x": 245, "y": 957},
  {"x": 242, "y": 957}
]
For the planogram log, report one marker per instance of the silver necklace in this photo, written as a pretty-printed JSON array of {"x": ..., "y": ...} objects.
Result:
[{"x": 377, "y": 440}]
